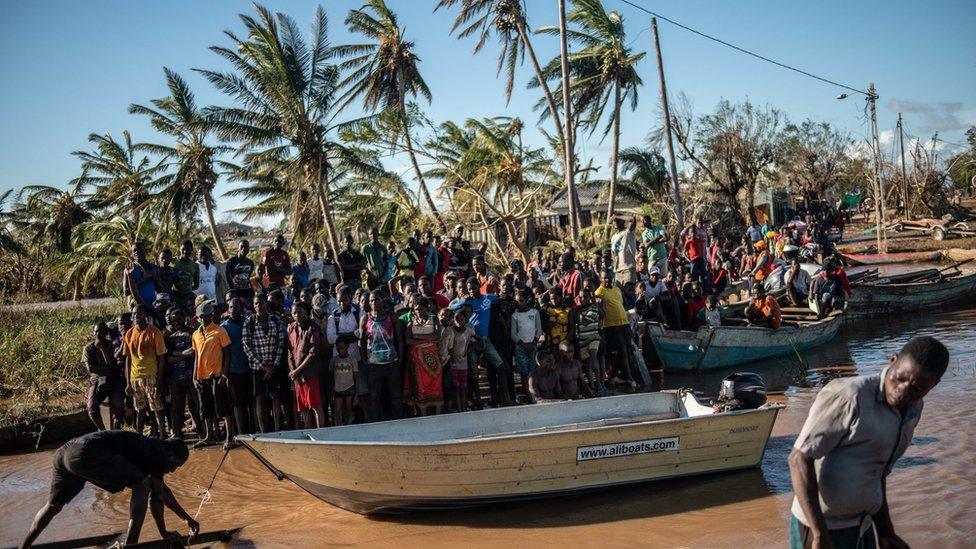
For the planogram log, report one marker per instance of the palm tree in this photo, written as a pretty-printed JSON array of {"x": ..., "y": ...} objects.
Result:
[
  {"x": 645, "y": 174},
  {"x": 384, "y": 73},
  {"x": 122, "y": 179},
  {"x": 8, "y": 217},
  {"x": 101, "y": 251},
  {"x": 604, "y": 69},
  {"x": 50, "y": 215},
  {"x": 286, "y": 91},
  {"x": 490, "y": 173},
  {"x": 192, "y": 184},
  {"x": 357, "y": 172},
  {"x": 506, "y": 19}
]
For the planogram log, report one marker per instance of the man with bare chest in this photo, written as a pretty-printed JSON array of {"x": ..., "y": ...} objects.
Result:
[
  {"x": 570, "y": 373},
  {"x": 544, "y": 380}
]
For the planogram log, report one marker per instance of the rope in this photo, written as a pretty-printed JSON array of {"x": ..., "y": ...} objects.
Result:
[
  {"x": 743, "y": 50},
  {"x": 206, "y": 497}
]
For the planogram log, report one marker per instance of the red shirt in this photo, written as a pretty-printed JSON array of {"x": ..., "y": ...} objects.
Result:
[
  {"x": 441, "y": 300},
  {"x": 694, "y": 248},
  {"x": 719, "y": 275},
  {"x": 303, "y": 342},
  {"x": 695, "y": 304},
  {"x": 572, "y": 284},
  {"x": 278, "y": 261}
]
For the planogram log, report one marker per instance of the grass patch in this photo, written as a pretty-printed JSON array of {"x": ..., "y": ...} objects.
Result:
[{"x": 40, "y": 360}]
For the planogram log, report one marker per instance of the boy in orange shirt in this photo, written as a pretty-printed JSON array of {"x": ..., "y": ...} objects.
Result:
[
  {"x": 144, "y": 350},
  {"x": 211, "y": 344}
]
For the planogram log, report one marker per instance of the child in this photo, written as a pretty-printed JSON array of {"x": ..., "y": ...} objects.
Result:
[
  {"x": 526, "y": 332},
  {"x": 445, "y": 318},
  {"x": 720, "y": 277},
  {"x": 305, "y": 351},
  {"x": 344, "y": 367},
  {"x": 457, "y": 342},
  {"x": 559, "y": 314},
  {"x": 712, "y": 314},
  {"x": 696, "y": 302}
]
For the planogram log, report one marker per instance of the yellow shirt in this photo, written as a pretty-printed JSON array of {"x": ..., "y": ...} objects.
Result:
[
  {"x": 143, "y": 347},
  {"x": 209, "y": 344},
  {"x": 614, "y": 313}
]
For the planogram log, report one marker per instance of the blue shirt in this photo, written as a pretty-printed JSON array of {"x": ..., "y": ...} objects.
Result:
[
  {"x": 481, "y": 312},
  {"x": 238, "y": 360},
  {"x": 146, "y": 289}
]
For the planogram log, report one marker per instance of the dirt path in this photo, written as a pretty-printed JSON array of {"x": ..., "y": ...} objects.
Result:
[{"x": 81, "y": 304}]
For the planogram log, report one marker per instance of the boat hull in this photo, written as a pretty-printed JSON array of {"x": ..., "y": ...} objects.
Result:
[
  {"x": 725, "y": 346},
  {"x": 892, "y": 258},
  {"x": 383, "y": 478},
  {"x": 871, "y": 300}
]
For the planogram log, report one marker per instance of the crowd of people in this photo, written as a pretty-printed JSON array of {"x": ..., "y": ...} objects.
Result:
[{"x": 384, "y": 330}]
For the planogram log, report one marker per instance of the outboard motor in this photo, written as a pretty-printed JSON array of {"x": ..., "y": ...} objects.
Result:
[{"x": 741, "y": 391}]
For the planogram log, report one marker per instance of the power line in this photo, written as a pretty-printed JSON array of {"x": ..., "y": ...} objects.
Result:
[{"x": 743, "y": 50}]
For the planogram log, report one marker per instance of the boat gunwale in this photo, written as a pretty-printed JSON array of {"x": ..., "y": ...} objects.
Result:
[
  {"x": 705, "y": 331},
  {"x": 504, "y": 436}
]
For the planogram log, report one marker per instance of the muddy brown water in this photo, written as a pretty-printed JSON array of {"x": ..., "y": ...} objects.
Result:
[{"x": 932, "y": 489}]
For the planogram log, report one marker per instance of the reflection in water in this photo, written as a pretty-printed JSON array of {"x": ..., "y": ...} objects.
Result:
[{"x": 932, "y": 489}]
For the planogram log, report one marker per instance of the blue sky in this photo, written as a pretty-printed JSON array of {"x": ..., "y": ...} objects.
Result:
[{"x": 71, "y": 68}]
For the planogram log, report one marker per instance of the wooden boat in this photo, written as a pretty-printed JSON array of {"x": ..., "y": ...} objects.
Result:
[
  {"x": 500, "y": 454},
  {"x": 885, "y": 296},
  {"x": 887, "y": 259},
  {"x": 720, "y": 347}
]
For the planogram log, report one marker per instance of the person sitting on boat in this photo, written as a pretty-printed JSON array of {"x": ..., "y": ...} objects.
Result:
[
  {"x": 857, "y": 429},
  {"x": 830, "y": 288},
  {"x": 114, "y": 461},
  {"x": 764, "y": 310},
  {"x": 544, "y": 379},
  {"x": 571, "y": 385},
  {"x": 797, "y": 282},
  {"x": 712, "y": 314}
]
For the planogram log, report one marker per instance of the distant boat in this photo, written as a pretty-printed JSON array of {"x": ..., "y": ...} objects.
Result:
[
  {"x": 886, "y": 296},
  {"x": 887, "y": 259},
  {"x": 724, "y": 346},
  {"x": 501, "y": 454}
]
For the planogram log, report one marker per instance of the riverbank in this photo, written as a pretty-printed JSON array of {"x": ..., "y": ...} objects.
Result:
[
  {"x": 932, "y": 488},
  {"x": 40, "y": 350}
]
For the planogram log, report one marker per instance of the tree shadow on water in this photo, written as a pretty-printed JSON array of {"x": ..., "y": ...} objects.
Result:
[{"x": 636, "y": 501}]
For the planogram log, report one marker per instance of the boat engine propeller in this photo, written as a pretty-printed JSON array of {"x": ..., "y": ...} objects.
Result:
[{"x": 741, "y": 391}]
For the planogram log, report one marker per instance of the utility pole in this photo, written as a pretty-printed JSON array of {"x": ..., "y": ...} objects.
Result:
[
  {"x": 904, "y": 174},
  {"x": 872, "y": 99},
  {"x": 568, "y": 149},
  {"x": 678, "y": 211}
]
